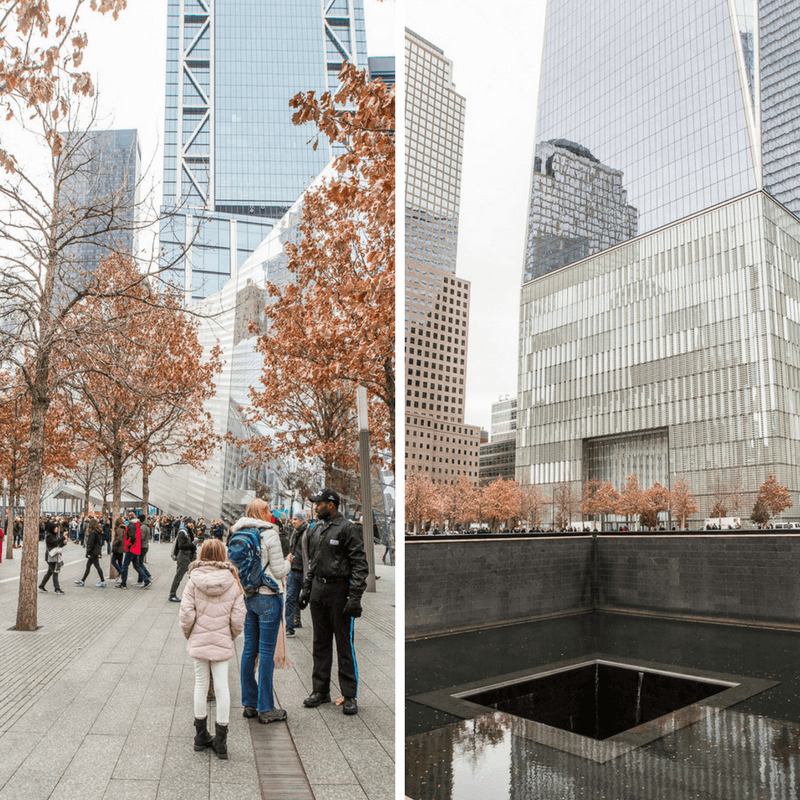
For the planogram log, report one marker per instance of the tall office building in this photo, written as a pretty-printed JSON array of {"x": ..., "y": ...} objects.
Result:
[
  {"x": 233, "y": 159},
  {"x": 108, "y": 169},
  {"x": 660, "y": 320},
  {"x": 497, "y": 456},
  {"x": 439, "y": 444}
]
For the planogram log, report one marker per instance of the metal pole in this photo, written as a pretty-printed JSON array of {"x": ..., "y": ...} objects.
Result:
[{"x": 366, "y": 492}]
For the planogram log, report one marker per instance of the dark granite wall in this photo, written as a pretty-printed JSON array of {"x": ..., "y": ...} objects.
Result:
[
  {"x": 744, "y": 578},
  {"x": 452, "y": 585},
  {"x": 466, "y": 583}
]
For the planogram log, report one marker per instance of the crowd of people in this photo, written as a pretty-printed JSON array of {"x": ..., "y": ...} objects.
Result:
[{"x": 254, "y": 577}]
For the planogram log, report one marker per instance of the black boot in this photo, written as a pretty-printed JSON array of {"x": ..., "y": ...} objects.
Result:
[
  {"x": 297, "y": 622},
  {"x": 220, "y": 744},
  {"x": 202, "y": 738}
]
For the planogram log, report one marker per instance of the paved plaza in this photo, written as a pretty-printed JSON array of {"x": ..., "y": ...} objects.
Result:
[{"x": 98, "y": 703}]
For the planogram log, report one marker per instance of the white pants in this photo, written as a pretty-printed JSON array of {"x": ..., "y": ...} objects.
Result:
[{"x": 219, "y": 669}]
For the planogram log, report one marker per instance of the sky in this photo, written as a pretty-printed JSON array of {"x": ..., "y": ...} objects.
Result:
[{"x": 496, "y": 53}]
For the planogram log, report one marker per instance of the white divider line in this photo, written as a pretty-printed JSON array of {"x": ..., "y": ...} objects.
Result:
[{"x": 67, "y": 564}]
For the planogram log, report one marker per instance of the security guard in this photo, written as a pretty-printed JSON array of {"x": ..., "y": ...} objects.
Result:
[{"x": 336, "y": 580}]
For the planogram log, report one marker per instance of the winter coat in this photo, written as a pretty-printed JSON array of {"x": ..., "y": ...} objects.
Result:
[
  {"x": 117, "y": 543},
  {"x": 94, "y": 540},
  {"x": 133, "y": 538},
  {"x": 272, "y": 559},
  {"x": 212, "y": 610}
]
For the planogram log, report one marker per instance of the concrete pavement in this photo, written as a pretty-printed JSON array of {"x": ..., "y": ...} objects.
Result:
[{"x": 97, "y": 703}]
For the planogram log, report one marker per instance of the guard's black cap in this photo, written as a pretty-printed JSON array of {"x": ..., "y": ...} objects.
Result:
[{"x": 325, "y": 494}]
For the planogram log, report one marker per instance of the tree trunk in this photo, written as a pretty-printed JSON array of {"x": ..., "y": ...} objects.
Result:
[
  {"x": 12, "y": 488},
  {"x": 116, "y": 486},
  {"x": 145, "y": 490},
  {"x": 28, "y": 578}
]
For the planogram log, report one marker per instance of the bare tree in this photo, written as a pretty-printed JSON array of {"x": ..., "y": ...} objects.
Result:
[
  {"x": 59, "y": 214},
  {"x": 566, "y": 503}
]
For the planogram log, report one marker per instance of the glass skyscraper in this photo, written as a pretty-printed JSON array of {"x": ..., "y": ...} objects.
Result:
[
  {"x": 233, "y": 159},
  {"x": 660, "y": 304}
]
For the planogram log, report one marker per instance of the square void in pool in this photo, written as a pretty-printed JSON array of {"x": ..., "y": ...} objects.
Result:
[
  {"x": 597, "y": 699},
  {"x": 598, "y": 707}
]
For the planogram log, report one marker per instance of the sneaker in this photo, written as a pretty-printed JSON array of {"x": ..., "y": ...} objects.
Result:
[
  {"x": 276, "y": 715},
  {"x": 117, "y": 580},
  {"x": 59, "y": 591},
  {"x": 175, "y": 599},
  {"x": 79, "y": 583},
  {"x": 290, "y": 633},
  {"x": 146, "y": 585},
  {"x": 100, "y": 585},
  {"x": 43, "y": 589},
  {"x": 121, "y": 586},
  {"x": 249, "y": 712},
  {"x": 139, "y": 584}
]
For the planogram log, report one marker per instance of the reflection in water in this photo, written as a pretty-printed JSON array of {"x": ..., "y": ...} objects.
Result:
[{"x": 727, "y": 756}]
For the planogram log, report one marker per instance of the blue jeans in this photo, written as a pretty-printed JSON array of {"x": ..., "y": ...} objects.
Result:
[
  {"x": 294, "y": 583},
  {"x": 261, "y": 626},
  {"x": 126, "y": 562}
]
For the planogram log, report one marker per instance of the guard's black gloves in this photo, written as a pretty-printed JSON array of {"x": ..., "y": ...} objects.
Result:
[
  {"x": 305, "y": 596},
  {"x": 352, "y": 608}
]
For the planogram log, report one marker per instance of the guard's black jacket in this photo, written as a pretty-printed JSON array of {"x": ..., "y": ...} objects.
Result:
[{"x": 336, "y": 550}]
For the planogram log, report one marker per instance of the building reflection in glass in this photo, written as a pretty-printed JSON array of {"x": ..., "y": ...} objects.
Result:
[{"x": 578, "y": 208}]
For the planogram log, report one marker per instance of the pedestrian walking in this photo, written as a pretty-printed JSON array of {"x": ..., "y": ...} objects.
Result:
[
  {"x": 212, "y": 616},
  {"x": 118, "y": 547},
  {"x": 132, "y": 545},
  {"x": 294, "y": 582},
  {"x": 264, "y": 603},
  {"x": 94, "y": 549},
  {"x": 184, "y": 551},
  {"x": 334, "y": 585},
  {"x": 145, "y": 578},
  {"x": 54, "y": 541}
]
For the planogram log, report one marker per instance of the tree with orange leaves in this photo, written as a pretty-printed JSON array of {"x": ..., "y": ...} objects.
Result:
[
  {"x": 630, "y": 499},
  {"x": 421, "y": 500},
  {"x": 15, "y": 419},
  {"x": 682, "y": 503},
  {"x": 332, "y": 328},
  {"x": 654, "y": 501},
  {"x": 458, "y": 501},
  {"x": 772, "y": 497},
  {"x": 501, "y": 502},
  {"x": 142, "y": 389}
]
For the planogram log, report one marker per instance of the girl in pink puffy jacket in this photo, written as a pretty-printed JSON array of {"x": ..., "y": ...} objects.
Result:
[{"x": 212, "y": 616}]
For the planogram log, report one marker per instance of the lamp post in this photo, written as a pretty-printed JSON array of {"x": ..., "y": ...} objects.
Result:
[{"x": 366, "y": 493}]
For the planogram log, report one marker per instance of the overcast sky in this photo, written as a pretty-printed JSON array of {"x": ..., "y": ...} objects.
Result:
[{"x": 496, "y": 53}]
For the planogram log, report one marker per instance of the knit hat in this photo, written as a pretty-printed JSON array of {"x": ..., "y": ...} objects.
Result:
[{"x": 301, "y": 515}]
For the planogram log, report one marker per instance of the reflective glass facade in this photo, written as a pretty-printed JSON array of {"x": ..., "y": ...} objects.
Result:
[
  {"x": 694, "y": 329},
  {"x": 658, "y": 298},
  {"x": 231, "y": 150},
  {"x": 109, "y": 183},
  {"x": 504, "y": 419},
  {"x": 434, "y": 148},
  {"x": 778, "y": 36},
  {"x": 654, "y": 91}
]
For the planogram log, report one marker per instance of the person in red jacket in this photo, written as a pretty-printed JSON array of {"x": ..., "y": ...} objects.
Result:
[{"x": 133, "y": 549}]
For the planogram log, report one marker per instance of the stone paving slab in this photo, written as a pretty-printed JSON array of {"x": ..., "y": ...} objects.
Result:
[{"x": 98, "y": 703}]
